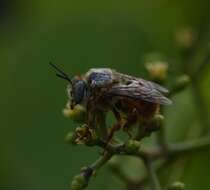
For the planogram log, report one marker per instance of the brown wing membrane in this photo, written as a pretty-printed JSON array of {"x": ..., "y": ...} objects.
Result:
[
  {"x": 155, "y": 85},
  {"x": 146, "y": 83},
  {"x": 139, "y": 91}
]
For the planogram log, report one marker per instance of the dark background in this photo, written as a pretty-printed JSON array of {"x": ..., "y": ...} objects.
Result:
[{"x": 78, "y": 35}]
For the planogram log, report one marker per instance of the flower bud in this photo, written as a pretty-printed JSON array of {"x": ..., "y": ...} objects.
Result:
[
  {"x": 70, "y": 138},
  {"x": 156, "y": 122},
  {"x": 75, "y": 185},
  {"x": 177, "y": 186},
  {"x": 77, "y": 114},
  {"x": 185, "y": 37},
  {"x": 113, "y": 162},
  {"x": 132, "y": 146},
  {"x": 157, "y": 70},
  {"x": 183, "y": 81},
  {"x": 78, "y": 183}
]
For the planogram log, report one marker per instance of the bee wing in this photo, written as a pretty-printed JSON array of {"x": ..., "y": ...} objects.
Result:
[
  {"x": 155, "y": 85},
  {"x": 139, "y": 92},
  {"x": 149, "y": 84}
]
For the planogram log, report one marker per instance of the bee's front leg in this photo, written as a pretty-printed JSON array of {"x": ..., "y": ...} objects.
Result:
[{"x": 90, "y": 118}]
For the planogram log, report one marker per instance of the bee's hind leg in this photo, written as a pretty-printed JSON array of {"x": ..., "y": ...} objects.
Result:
[
  {"x": 129, "y": 123},
  {"x": 117, "y": 126}
]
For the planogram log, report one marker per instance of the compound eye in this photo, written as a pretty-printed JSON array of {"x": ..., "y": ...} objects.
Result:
[{"x": 79, "y": 90}]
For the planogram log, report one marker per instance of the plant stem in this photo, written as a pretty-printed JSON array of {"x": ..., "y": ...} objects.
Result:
[
  {"x": 154, "y": 182},
  {"x": 174, "y": 151},
  {"x": 101, "y": 161},
  {"x": 190, "y": 147},
  {"x": 161, "y": 138}
]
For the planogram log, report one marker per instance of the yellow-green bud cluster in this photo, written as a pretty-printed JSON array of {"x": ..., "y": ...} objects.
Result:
[{"x": 76, "y": 114}]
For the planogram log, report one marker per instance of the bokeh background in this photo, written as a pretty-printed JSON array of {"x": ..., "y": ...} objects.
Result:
[{"x": 78, "y": 35}]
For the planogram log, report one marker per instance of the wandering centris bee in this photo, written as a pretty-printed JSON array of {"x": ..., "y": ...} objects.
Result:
[{"x": 104, "y": 89}]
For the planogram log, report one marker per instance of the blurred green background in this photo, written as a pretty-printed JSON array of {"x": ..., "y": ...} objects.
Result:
[{"x": 78, "y": 35}]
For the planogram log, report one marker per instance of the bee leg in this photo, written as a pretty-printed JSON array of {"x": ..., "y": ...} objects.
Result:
[
  {"x": 141, "y": 129},
  {"x": 90, "y": 120},
  {"x": 116, "y": 126},
  {"x": 116, "y": 114},
  {"x": 131, "y": 120},
  {"x": 90, "y": 117}
]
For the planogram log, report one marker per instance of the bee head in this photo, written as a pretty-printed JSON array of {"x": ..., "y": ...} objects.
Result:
[
  {"x": 76, "y": 89},
  {"x": 77, "y": 92}
]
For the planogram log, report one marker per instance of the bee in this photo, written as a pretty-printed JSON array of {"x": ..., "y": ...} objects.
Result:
[{"x": 104, "y": 89}]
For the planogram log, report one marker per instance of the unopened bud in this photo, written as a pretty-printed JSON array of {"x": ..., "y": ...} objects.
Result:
[
  {"x": 157, "y": 70},
  {"x": 183, "y": 81},
  {"x": 156, "y": 122},
  {"x": 177, "y": 186},
  {"x": 113, "y": 162},
  {"x": 77, "y": 114},
  {"x": 132, "y": 146},
  {"x": 185, "y": 37},
  {"x": 78, "y": 183},
  {"x": 70, "y": 138}
]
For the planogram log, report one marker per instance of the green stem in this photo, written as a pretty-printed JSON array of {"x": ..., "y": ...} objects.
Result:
[
  {"x": 201, "y": 106},
  {"x": 161, "y": 138},
  {"x": 175, "y": 151},
  {"x": 101, "y": 161},
  {"x": 190, "y": 147},
  {"x": 154, "y": 182},
  {"x": 156, "y": 153}
]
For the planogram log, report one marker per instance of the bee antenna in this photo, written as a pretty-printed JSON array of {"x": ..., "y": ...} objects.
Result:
[{"x": 60, "y": 73}]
